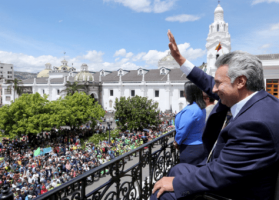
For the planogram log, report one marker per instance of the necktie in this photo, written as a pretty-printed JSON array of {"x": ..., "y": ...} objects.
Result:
[{"x": 227, "y": 121}]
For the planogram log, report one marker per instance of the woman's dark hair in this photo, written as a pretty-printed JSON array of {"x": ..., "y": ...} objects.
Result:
[{"x": 194, "y": 94}]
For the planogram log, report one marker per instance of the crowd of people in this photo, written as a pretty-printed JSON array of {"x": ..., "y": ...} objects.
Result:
[{"x": 30, "y": 174}]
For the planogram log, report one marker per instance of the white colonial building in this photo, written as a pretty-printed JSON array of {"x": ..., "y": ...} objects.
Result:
[{"x": 163, "y": 85}]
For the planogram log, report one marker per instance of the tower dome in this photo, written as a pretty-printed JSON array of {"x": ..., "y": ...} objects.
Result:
[
  {"x": 168, "y": 62},
  {"x": 219, "y": 9},
  {"x": 64, "y": 66},
  {"x": 218, "y": 14},
  {"x": 45, "y": 72},
  {"x": 84, "y": 74}
]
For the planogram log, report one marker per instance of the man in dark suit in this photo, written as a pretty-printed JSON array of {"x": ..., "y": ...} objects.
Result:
[{"x": 244, "y": 162}]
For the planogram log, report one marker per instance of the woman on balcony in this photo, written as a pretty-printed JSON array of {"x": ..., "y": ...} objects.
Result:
[{"x": 189, "y": 125}]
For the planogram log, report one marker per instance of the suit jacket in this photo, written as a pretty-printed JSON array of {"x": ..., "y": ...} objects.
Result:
[{"x": 245, "y": 159}]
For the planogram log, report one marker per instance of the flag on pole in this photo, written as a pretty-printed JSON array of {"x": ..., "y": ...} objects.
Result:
[{"x": 219, "y": 47}]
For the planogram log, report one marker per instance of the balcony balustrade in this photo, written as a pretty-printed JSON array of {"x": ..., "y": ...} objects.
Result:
[{"x": 122, "y": 178}]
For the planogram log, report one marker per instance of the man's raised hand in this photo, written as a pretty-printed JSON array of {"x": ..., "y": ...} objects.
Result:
[{"x": 174, "y": 49}]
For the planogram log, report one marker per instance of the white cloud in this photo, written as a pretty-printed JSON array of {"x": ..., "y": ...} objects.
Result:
[
  {"x": 94, "y": 59},
  {"x": 93, "y": 56},
  {"x": 121, "y": 52},
  {"x": 60, "y": 21},
  {"x": 163, "y": 6},
  {"x": 129, "y": 55},
  {"x": 138, "y": 56},
  {"x": 260, "y": 41},
  {"x": 124, "y": 60},
  {"x": 156, "y": 6},
  {"x": 274, "y": 27},
  {"x": 265, "y": 46},
  {"x": 264, "y": 1},
  {"x": 153, "y": 56},
  {"x": 182, "y": 18}
]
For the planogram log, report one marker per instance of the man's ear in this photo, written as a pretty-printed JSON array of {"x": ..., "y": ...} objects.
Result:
[{"x": 241, "y": 82}]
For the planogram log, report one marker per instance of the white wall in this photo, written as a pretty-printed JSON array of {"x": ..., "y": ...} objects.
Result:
[{"x": 169, "y": 93}]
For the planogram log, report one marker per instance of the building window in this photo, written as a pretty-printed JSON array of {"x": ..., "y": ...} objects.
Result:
[
  {"x": 110, "y": 103},
  {"x": 8, "y": 91},
  {"x": 218, "y": 28},
  {"x": 43, "y": 91},
  {"x": 181, "y": 93},
  {"x": 9, "y": 72},
  {"x": 272, "y": 87},
  {"x": 58, "y": 92},
  {"x": 8, "y": 98},
  {"x": 132, "y": 93},
  {"x": 140, "y": 72},
  {"x": 111, "y": 93},
  {"x": 10, "y": 76},
  {"x": 11, "y": 67},
  {"x": 156, "y": 93}
]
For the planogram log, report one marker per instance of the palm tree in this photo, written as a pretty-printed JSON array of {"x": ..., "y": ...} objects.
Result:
[
  {"x": 16, "y": 85},
  {"x": 71, "y": 88}
]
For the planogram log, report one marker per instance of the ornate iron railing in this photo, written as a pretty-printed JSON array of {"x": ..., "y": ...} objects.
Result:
[{"x": 124, "y": 179}]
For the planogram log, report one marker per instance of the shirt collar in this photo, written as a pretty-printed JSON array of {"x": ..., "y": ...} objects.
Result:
[{"x": 237, "y": 107}]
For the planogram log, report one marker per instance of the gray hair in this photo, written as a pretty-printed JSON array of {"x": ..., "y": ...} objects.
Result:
[{"x": 244, "y": 64}]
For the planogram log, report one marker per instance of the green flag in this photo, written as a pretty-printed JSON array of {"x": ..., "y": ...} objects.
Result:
[{"x": 37, "y": 152}]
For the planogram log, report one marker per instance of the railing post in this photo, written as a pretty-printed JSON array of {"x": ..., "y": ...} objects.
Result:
[
  {"x": 83, "y": 185},
  {"x": 140, "y": 175},
  {"x": 53, "y": 197},
  {"x": 118, "y": 179},
  {"x": 164, "y": 146},
  {"x": 150, "y": 169}
]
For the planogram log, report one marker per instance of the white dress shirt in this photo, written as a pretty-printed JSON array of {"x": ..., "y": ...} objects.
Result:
[{"x": 237, "y": 107}]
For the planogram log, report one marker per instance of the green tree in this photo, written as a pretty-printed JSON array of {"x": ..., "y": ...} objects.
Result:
[
  {"x": 75, "y": 110},
  {"x": 27, "y": 114},
  {"x": 136, "y": 113},
  {"x": 16, "y": 83},
  {"x": 74, "y": 87}
]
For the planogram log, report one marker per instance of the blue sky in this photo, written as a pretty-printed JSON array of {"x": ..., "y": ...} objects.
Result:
[{"x": 109, "y": 34}]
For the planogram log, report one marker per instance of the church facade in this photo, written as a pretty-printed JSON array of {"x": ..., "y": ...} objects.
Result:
[{"x": 164, "y": 85}]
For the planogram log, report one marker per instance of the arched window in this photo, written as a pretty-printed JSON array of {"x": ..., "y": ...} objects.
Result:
[
  {"x": 140, "y": 72},
  {"x": 218, "y": 28},
  {"x": 43, "y": 91},
  {"x": 110, "y": 103},
  {"x": 217, "y": 56}
]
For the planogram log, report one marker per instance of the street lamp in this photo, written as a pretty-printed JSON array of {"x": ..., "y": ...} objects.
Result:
[{"x": 109, "y": 124}]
